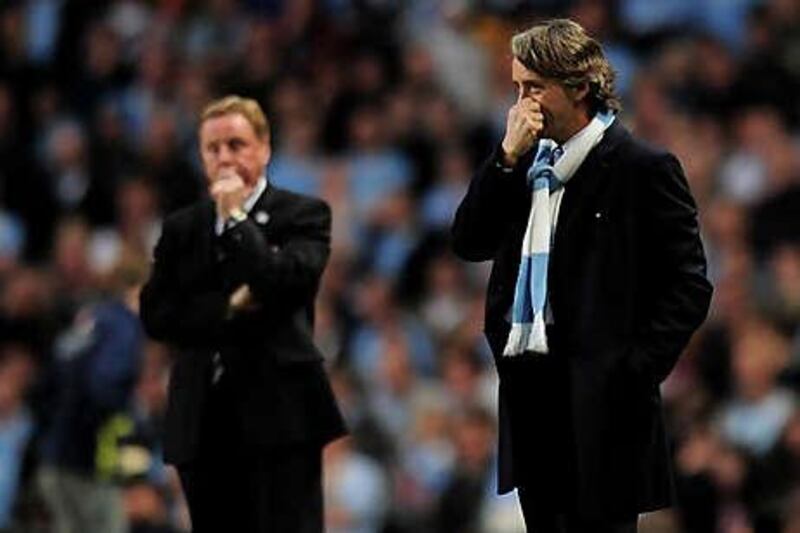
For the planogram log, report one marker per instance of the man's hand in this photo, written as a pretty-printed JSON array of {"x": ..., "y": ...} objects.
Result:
[
  {"x": 241, "y": 300},
  {"x": 228, "y": 192},
  {"x": 525, "y": 122}
]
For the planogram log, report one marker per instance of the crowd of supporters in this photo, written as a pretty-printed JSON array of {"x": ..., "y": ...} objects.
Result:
[{"x": 384, "y": 109}]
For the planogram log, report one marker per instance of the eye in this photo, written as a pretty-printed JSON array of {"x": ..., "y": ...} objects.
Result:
[
  {"x": 534, "y": 87},
  {"x": 519, "y": 90}
]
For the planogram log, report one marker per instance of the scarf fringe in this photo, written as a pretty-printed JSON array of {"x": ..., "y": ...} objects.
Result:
[{"x": 527, "y": 337}]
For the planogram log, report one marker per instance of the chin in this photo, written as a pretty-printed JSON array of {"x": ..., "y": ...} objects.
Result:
[{"x": 248, "y": 177}]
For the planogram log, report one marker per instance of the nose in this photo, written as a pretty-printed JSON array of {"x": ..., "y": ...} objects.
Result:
[{"x": 225, "y": 155}]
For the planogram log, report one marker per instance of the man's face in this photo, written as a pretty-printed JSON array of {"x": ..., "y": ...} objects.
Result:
[
  {"x": 229, "y": 143},
  {"x": 563, "y": 109}
]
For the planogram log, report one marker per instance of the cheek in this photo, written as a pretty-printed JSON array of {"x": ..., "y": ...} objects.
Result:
[
  {"x": 211, "y": 162},
  {"x": 548, "y": 116},
  {"x": 257, "y": 158},
  {"x": 249, "y": 159}
]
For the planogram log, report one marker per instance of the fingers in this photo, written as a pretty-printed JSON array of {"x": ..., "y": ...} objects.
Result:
[
  {"x": 242, "y": 300},
  {"x": 229, "y": 177},
  {"x": 531, "y": 109},
  {"x": 240, "y": 297},
  {"x": 528, "y": 119},
  {"x": 228, "y": 192},
  {"x": 525, "y": 123},
  {"x": 529, "y": 104},
  {"x": 227, "y": 181},
  {"x": 533, "y": 124}
]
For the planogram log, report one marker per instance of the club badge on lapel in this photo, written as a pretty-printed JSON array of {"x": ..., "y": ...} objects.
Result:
[{"x": 262, "y": 217}]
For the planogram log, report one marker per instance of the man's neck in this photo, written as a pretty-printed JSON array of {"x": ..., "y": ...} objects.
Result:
[
  {"x": 581, "y": 120},
  {"x": 252, "y": 196}
]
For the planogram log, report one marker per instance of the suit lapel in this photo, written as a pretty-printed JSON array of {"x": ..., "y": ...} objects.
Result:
[
  {"x": 208, "y": 221},
  {"x": 587, "y": 179},
  {"x": 263, "y": 210},
  {"x": 579, "y": 193}
]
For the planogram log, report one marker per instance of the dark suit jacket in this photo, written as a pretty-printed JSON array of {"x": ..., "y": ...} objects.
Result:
[
  {"x": 282, "y": 394},
  {"x": 627, "y": 286}
]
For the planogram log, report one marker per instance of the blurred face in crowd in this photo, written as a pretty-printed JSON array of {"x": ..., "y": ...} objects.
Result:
[
  {"x": 16, "y": 372},
  {"x": 229, "y": 143},
  {"x": 474, "y": 442},
  {"x": 564, "y": 109},
  {"x": 760, "y": 354}
]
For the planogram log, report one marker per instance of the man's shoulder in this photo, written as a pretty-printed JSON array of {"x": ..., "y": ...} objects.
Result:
[
  {"x": 294, "y": 200},
  {"x": 295, "y": 197},
  {"x": 187, "y": 216},
  {"x": 638, "y": 151}
]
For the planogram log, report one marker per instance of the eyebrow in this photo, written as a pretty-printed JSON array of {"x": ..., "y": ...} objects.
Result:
[
  {"x": 537, "y": 83},
  {"x": 225, "y": 140}
]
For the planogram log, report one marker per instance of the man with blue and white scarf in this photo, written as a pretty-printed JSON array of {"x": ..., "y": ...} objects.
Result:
[{"x": 598, "y": 282}]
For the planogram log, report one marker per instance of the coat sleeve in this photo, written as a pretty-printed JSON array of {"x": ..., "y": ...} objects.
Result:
[
  {"x": 677, "y": 299},
  {"x": 172, "y": 315},
  {"x": 484, "y": 215},
  {"x": 289, "y": 272}
]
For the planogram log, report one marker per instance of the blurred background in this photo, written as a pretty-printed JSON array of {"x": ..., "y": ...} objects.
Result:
[{"x": 384, "y": 108}]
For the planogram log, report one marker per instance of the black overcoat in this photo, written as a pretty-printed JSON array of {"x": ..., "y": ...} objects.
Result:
[
  {"x": 282, "y": 394},
  {"x": 627, "y": 287}
]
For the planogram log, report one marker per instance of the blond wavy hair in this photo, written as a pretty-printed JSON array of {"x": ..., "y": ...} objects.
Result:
[
  {"x": 560, "y": 49},
  {"x": 233, "y": 104}
]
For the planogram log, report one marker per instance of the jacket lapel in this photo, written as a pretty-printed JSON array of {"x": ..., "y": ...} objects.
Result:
[
  {"x": 587, "y": 179},
  {"x": 208, "y": 221},
  {"x": 579, "y": 193},
  {"x": 262, "y": 211}
]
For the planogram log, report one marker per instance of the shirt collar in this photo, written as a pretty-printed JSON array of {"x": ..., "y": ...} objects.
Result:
[
  {"x": 576, "y": 138},
  {"x": 258, "y": 190}
]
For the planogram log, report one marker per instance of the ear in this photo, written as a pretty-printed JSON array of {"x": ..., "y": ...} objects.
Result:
[{"x": 579, "y": 93}]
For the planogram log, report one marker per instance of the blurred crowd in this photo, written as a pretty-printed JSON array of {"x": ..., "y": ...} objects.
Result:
[{"x": 384, "y": 109}]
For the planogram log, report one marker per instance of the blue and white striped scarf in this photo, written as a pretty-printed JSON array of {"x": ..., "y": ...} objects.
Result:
[{"x": 546, "y": 176}]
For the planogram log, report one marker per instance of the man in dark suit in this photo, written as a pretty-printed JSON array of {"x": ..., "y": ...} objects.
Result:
[
  {"x": 612, "y": 286},
  {"x": 232, "y": 289}
]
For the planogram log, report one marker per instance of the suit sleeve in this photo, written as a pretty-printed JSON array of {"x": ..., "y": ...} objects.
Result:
[
  {"x": 285, "y": 273},
  {"x": 483, "y": 217},
  {"x": 677, "y": 298},
  {"x": 172, "y": 315}
]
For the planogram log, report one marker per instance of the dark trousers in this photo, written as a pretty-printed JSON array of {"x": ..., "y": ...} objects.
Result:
[
  {"x": 233, "y": 487},
  {"x": 544, "y": 519}
]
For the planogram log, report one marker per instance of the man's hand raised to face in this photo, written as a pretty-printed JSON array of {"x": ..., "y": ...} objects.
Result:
[
  {"x": 228, "y": 192},
  {"x": 524, "y": 124}
]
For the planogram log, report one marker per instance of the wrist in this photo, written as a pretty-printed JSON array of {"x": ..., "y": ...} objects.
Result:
[
  {"x": 506, "y": 161},
  {"x": 508, "y": 158},
  {"x": 237, "y": 214}
]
